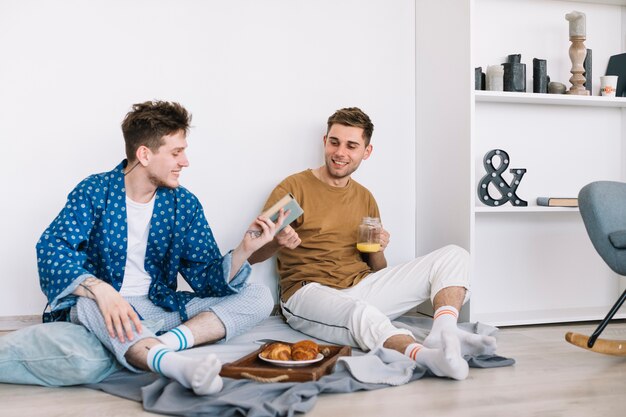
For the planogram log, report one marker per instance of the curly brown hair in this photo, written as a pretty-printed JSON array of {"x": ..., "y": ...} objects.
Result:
[
  {"x": 148, "y": 122},
  {"x": 355, "y": 117}
]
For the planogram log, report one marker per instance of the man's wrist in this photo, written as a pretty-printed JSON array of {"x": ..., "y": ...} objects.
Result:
[
  {"x": 241, "y": 254},
  {"x": 90, "y": 287}
]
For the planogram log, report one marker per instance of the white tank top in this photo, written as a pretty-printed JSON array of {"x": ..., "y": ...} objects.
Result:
[{"x": 136, "y": 279}]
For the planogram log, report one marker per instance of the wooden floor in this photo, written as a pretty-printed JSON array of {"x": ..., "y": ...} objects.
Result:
[{"x": 551, "y": 378}]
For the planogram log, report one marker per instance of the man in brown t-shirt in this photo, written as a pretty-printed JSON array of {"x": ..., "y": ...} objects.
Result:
[{"x": 333, "y": 292}]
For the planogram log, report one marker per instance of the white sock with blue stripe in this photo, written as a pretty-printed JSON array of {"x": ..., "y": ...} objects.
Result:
[
  {"x": 200, "y": 375},
  {"x": 179, "y": 338}
]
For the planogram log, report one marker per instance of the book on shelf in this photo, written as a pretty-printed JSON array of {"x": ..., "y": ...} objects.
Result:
[
  {"x": 288, "y": 202},
  {"x": 557, "y": 201}
]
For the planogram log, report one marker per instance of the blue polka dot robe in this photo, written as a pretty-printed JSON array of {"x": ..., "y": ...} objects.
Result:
[{"x": 89, "y": 237}]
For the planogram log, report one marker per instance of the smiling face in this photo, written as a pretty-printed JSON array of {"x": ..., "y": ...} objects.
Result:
[
  {"x": 164, "y": 166},
  {"x": 344, "y": 149}
]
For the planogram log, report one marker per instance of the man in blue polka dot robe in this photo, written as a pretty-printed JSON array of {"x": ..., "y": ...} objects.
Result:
[{"x": 112, "y": 256}]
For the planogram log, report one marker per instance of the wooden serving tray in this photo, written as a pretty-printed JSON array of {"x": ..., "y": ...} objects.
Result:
[{"x": 251, "y": 367}]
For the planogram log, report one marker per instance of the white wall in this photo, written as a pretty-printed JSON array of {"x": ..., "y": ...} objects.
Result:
[{"x": 260, "y": 78}]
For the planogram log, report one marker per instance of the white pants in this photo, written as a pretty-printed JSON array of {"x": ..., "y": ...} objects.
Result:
[{"x": 361, "y": 316}]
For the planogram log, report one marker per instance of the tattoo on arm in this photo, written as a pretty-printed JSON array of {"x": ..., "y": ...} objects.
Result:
[
  {"x": 255, "y": 234},
  {"x": 88, "y": 283}
]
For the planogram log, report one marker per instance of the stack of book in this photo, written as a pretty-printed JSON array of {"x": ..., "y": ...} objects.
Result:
[{"x": 557, "y": 201}]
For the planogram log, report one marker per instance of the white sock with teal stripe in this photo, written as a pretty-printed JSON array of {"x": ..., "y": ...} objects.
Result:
[
  {"x": 179, "y": 338},
  {"x": 200, "y": 375}
]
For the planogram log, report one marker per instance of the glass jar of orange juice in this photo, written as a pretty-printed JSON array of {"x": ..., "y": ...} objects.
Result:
[{"x": 368, "y": 239}]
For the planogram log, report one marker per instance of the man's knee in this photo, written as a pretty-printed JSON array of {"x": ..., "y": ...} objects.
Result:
[
  {"x": 457, "y": 253},
  {"x": 84, "y": 303},
  {"x": 85, "y": 309},
  {"x": 456, "y": 262},
  {"x": 260, "y": 297}
]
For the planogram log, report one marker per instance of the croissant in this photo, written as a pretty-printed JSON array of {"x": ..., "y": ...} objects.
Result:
[
  {"x": 277, "y": 351},
  {"x": 304, "y": 350}
]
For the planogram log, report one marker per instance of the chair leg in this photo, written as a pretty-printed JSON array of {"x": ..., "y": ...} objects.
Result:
[{"x": 606, "y": 320}]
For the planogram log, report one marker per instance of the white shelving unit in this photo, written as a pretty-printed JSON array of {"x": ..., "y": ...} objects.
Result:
[
  {"x": 529, "y": 264},
  {"x": 529, "y": 209},
  {"x": 548, "y": 99}
]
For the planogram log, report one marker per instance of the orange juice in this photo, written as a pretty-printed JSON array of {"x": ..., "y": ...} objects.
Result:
[{"x": 368, "y": 247}]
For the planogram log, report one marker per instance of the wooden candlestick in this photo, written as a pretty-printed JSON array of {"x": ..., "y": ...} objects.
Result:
[{"x": 577, "y": 53}]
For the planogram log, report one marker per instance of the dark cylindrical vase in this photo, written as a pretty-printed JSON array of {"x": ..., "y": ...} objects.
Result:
[
  {"x": 588, "y": 75},
  {"x": 540, "y": 76},
  {"x": 514, "y": 77},
  {"x": 479, "y": 79},
  {"x": 514, "y": 58}
]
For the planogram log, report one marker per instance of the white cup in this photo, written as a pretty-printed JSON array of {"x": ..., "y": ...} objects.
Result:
[{"x": 608, "y": 85}]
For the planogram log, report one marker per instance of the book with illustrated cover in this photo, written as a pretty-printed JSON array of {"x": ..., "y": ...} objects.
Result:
[
  {"x": 288, "y": 202},
  {"x": 557, "y": 201}
]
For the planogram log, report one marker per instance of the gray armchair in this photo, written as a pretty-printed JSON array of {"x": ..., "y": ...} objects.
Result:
[{"x": 603, "y": 209}]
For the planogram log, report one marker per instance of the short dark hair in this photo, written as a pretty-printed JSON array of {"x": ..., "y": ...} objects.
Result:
[
  {"x": 355, "y": 117},
  {"x": 148, "y": 122}
]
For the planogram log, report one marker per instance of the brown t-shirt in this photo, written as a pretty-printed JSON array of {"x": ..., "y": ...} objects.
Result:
[{"x": 328, "y": 230}]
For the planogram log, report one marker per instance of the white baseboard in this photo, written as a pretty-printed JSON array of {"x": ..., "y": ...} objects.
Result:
[{"x": 8, "y": 323}]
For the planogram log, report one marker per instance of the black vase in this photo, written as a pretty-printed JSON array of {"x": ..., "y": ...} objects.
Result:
[
  {"x": 514, "y": 77},
  {"x": 588, "y": 75},
  {"x": 514, "y": 58},
  {"x": 479, "y": 78},
  {"x": 540, "y": 76}
]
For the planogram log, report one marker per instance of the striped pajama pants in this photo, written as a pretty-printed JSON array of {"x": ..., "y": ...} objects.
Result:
[{"x": 238, "y": 313}]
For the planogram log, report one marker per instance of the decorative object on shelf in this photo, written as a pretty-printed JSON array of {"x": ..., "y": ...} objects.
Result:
[
  {"x": 514, "y": 58},
  {"x": 540, "y": 75},
  {"x": 514, "y": 77},
  {"x": 494, "y": 80},
  {"x": 577, "y": 51},
  {"x": 556, "y": 88},
  {"x": 617, "y": 66},
  {"x": 608, "y": 85},
  {"x": 557, "y": 201},
  {"x": 514, "y": 74},
  {"x": 479, "y": 78},
  {"x": 588, "y": 74},
  {"x": 494, "y": 177}
]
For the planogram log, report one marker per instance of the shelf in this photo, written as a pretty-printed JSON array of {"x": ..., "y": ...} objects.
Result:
[
  {"x": 610, "y": 2},
  {"x": 527, "y": 209},
  {"x": 548, "y": 99},
  {"x": 532, "y": 264}
]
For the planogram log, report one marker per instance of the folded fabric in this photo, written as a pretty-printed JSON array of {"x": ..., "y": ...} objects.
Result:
[
  {"x": 57, "y": 354},
  {"x": 239, "y": 397},
  {"x": 378, "y": 369},
  {"x": 54, "y": 354},
  {"x": 380, "y": 366},
  {"x": 386, "y": 366},
  {"x": 243, "y": 397}
]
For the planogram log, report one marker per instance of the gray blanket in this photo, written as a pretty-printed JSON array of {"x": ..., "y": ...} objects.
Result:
[{"x": 248, "y": 398}]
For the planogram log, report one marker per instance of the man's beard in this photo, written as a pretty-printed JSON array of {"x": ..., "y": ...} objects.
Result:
[{"x": 157, "y": 182}]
